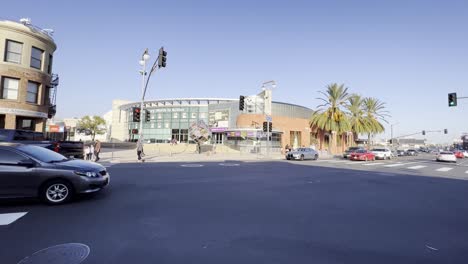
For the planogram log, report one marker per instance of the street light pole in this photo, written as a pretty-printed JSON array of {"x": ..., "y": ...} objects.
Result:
[
  {"x": 143, "y": 60},
  {"x": 391, "y": 137}
]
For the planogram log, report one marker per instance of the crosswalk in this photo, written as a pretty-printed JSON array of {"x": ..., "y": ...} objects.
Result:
[
  {"x": 9, "y": 218},
  {"x": 408, "y": 165}
]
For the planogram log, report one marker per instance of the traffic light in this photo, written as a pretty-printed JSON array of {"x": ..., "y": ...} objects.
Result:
[
  {"x": 147, "y": 116},
  {"x": 265, "y": 126},
  {"x": 134, "y": 131},
  {"x": 445, "y": 131},
  {"x": 424, "y": 132},
  {"x": 452, "y": 99},
  {"x": 270, "y": 127},
  {"x": 136, "y": 114},
  {"x": 241, "y": 102},
  {"x": 162, "y": 57}
]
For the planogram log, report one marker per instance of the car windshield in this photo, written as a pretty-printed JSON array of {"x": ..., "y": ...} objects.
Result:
[
  {"x": 381, "y": 150},
  {"x": 361, "y": 151},
  {"x": 42, "y": 154},
  {"x": 3, "y": 135}
]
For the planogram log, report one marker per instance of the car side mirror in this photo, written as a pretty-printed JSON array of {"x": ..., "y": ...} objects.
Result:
[{"x": 27, "y": 163}]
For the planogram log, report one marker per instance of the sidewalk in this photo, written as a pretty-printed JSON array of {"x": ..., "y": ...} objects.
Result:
[{"x": 129, "y": 156}]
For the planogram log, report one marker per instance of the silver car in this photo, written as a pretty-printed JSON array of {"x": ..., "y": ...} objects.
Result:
[
  {"x": 302, "y": 154},
  {"x": 32, "y": 171}
]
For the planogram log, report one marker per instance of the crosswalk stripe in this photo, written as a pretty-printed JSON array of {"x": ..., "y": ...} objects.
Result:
[
  {"x": 444, "y": 169},
  {"x": 417, "y": 167},
  {"x": 6, "y": 219},
  {"x": 399, "y": 164},
  {"x": 373, "y": 164}
]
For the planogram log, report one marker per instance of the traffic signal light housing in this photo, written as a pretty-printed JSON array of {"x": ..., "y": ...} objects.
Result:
[
  {"x": 445, "y": 131},
  {"x": 136, "y": 114},
  {"x": 134, "y": 131},
  {"x": 241, "y": 103},
  {"x": 424, "y": 132},
  {"x": 265, "y": 126},
  {"x": 162, "y": 58},
  {"x": 452, "y": 99},
  {"x": 147, "y": 116},
  {"x": 270, "y": 127}
]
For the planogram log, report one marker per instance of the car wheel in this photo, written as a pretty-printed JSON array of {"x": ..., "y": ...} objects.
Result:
[
  {"x": 56, "y": 192},
  {"x": 315, "y": 157},
  {"x": 302, "y": 157}
]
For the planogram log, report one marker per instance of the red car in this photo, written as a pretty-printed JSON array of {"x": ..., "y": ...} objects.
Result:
[
  {"x": 362, "y": 154},
  {"x": 459, "y": 154}
]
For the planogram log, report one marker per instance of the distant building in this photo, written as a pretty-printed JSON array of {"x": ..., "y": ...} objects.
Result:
[{"x": 27, "y": 85}]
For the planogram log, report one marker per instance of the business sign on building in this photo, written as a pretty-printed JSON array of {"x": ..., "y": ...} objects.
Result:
[
  {"x": 218, "y": 120},
  {"x": 21, "y": 112}
]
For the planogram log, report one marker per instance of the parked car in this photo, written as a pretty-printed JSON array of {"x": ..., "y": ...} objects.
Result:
[
  {"x": 70, "y": 149},
  {"x": 458, "y": 154},
  {"x": 350, "y": 150},
  {"x": 412, "y": 152},
  {"x": 446, "y": 156},
  {"x": 401, "y": 152},
  {"x": 302, "y": 154},
  {"x": 382, "y": 153},
  {"x": 31, "y": 171},
  {"x": 362, "y": 154}
]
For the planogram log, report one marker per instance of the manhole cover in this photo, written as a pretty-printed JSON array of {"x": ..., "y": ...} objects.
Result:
[
  {"x": 229, "y": 164},
  {"x": 192, "y": 165},
  {"x": 71, "y": 253}
]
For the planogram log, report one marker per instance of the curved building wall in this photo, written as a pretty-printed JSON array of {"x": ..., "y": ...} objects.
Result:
[{"x": 25, "y": 76}]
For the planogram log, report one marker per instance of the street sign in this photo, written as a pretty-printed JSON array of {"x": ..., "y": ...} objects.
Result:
[{"x": 269, "y": 119}]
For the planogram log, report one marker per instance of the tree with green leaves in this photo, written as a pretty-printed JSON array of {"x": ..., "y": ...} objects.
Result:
[
  {"x": 374, "y": 113},
  {"x": 358, "y": 121},
  {"x": 93, "y": 124},
  {"x": 331, "y": 116}
]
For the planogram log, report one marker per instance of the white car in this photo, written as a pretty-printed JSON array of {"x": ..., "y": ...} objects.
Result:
[
  {"x": 465, "y": 153},
  {"x": 382, "y": 153},
  {"x": 446, "y": 156}
]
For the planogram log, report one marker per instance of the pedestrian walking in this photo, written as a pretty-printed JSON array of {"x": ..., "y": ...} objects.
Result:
[
  {"x": 91, "y": 152},
  {"x": 97, "y": 149},
  {"x": 85, "y": 152},
  {"x": 139, "y": 149}
]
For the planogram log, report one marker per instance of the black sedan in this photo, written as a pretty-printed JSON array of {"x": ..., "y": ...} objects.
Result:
[{"x": 32, "y": 171}]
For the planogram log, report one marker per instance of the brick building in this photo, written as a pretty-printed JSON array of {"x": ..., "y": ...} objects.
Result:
[{"x": 27, "y": 85}]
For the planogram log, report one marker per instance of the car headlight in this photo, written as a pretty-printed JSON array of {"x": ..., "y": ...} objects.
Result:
[{"x": 90, "y": 174}]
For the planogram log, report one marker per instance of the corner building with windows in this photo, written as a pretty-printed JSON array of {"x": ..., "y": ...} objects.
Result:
[
  {"x": 27, "y": 85},
  {"x": 243, "y": 130}
]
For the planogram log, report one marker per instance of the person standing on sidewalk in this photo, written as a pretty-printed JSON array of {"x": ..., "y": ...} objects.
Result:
[
  {"x": 97, "y": 149},
  {"x": 139, "y": 149}
]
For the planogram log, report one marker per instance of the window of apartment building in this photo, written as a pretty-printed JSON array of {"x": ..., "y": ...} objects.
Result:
[
  {"x": 13, "y": 51},
  {"x": 49, "y": 66},
  {"x": 25, "y": 123},
  {"x": 33, "y": 90},
  {"x": 36, "y": 58},
  {"x": 9, "y": 88}
]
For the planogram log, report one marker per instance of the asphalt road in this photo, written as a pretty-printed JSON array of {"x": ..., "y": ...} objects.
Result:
[{"x": 251, "y": 212}]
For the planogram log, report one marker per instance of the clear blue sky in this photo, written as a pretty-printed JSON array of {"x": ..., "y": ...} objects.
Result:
[{"x": 407, "y": 53}]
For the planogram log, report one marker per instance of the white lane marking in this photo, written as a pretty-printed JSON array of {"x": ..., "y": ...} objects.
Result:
[
  {"x": 229, "y": 164},
  {"x": 6, "y": 219},
  {"x": 399, "y": 164},
  {"x": 373, "y": 164},
  {"x": 351, "y": 163},
  {"x": 192, "y": 165},
  {"x": 444, "y": 169},
  {"x": 334, "y": 161},
  {"x": 417, "y": 167}
]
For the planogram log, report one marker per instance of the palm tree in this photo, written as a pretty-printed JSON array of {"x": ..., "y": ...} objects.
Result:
[
  {"x": 330, "y": 116},
  {"x": 357, "y": 120},
  {"x": 375, "y": 112}
]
